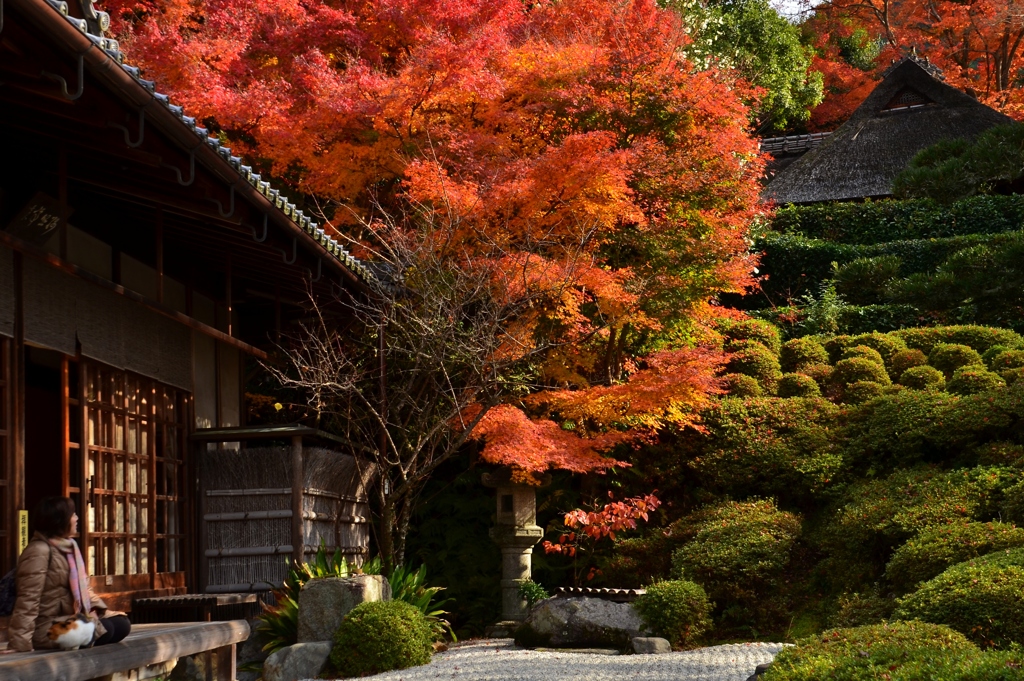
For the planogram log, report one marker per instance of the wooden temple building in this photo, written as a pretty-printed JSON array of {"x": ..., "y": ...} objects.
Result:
[
  {"x": 142, "y": 267},
  {"x": 909, "y": 110}
]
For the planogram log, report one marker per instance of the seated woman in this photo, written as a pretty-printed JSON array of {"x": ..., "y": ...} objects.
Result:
[{"x": 53, "y": 586}]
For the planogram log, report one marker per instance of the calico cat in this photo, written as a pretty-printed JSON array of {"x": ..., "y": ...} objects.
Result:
[{"x": 74, "y": 633}]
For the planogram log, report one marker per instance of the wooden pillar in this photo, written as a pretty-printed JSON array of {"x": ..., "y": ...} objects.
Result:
[
  {"x": 62, "y": 198},
  {"x": 159, "y": 256},
  {"x": 227, "y": 297},
  {"x": 65, "y": 429},
  {"x": 298, "y": 544},
  {"x": 85, "y": 482},
  {"x": 17, "y": 479}
]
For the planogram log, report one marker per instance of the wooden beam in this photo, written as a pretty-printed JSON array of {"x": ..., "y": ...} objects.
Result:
[
  {"x": 21, "y": 247},
  {"x": 16, "y": 483},
  {"x": 297, "y": 492}
]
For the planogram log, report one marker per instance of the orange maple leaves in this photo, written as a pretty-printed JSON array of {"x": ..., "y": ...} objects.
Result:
[{"x": 613, "y": 517}]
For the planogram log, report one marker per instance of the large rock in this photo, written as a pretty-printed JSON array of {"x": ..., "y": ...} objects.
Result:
[
  {"x": 324, "y": 602},
  {"x": 580, "y": 623},
  {"x": 300, "y": 661},
  {"x": 651, "y": 645}
]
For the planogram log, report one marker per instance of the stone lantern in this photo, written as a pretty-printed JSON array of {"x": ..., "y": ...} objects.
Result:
[{"x": 516, "y": 532}]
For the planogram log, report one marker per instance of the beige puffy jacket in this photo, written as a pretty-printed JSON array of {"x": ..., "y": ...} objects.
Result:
[{"x": 43, "y": 584}]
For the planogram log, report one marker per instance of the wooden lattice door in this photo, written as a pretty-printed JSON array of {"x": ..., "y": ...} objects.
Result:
[{"x": 134, "y": 462}]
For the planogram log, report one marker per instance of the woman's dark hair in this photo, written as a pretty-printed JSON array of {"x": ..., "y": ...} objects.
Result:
[{"x": 53, "y": 516}]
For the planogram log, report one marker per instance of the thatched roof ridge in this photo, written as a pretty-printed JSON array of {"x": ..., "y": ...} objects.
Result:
[{"x": 909, "y": 110}]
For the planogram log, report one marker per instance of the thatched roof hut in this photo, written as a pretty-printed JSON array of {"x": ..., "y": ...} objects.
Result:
[{"x": 911, "y": 109}]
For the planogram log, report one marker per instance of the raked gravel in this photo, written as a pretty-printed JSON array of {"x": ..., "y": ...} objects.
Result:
[{"x": 500, "y": 660}]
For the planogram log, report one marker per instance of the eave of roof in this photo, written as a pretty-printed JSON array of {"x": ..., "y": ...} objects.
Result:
[{"x": 106, "y": 61}]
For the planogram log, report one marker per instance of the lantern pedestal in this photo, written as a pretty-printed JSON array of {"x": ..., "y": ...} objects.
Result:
[{"x": 516, "y": 533}]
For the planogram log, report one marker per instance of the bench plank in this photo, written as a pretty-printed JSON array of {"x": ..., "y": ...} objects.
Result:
[{"x": 148, "y": 644}]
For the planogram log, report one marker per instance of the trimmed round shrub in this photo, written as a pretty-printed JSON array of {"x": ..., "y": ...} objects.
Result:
[
  {"x": 750, "y": 358},
  {"x": 1011, "y": 359},
  {"x": 821, "y": 373},
  {"x": 1013, "y": 503},
  {"x": 865, "y": 352},
  {"x": 857, "y": 609},
  {"x": 740, "y": 385},
  {"x": 948, "y": 357},
  {"x": 894, "y": 651},
  {"x": 760, "y": 331},
  {"x": 885, "y": 344},
  {"x": 836, "y": 346},
  {"x": 980, "y": 598},
  {"x": 1000, "y": 454},
  {"x": 848, "y": 371},
  {"x": 923, "y": 378},
  {"x": 738, "y": 552},
  {"x": 798, "y": 385},
  {"x": 1012, "y": 376},
  {"x": 862, "y": 391},
  {"x": 938, "y": 548},
  {"x": 381, "y": 636},
  {"x": 971, "y": 380},
  {"x": 907, "y": 359},
  {"x": 676, "y": 610},
  {"x": 981, "y": 338},
  {"x": 802, "y": 352},
  {"x": 992, "y": 353}
]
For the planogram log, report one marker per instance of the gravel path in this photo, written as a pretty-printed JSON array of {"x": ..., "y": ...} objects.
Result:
[{"x": 500, "y": 660}]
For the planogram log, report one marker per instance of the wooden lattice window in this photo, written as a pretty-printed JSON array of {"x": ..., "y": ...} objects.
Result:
[
  {"x": 135, "y": 445},
  {"x": 907, "y": 98}
]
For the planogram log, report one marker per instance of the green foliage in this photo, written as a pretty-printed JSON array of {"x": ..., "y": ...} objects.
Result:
[
  {"x": 639, "y": 561},
  {"x": 738, "y": 552},
  {"x": 956, "y": 168},
  {"x": 876, "y": 222},
  {"x": 863, "y": 352},
  {"x": 1012, "y": 376},
  {"x": 863, "y": 281},
  {"x": 764, "y": 48},
  {"x": 799, "y": 353},
  {"x": 980, "y": 338},
  {"x": 895, "y": 651},
  {"x": 379, "y": 637},
  {"x": 755, "y": 360},
  {"x": 979, "y": 598},
  {"x": 948, "y": 357},
  {"x": 907, "y": 359},
  {"x": 896, "y": 430},
  {"x": 971, "y": 380},
  {"x": 741, "y": 385},
  {"x": 859, "y": 392},
  {"x": 923, "y": 378},
  {"x": 879, "y": 515},
  {"x": 676, "y": 610},
  {"x": 532, "y": 592},
  {"x": 1009, "y": 359},
  {"x": 1013, "y": 502},
  {"x": 279, "y": 624},
  {"x": 992, "y": 353},
  {"x": 754, "y": 330},
  {"x": 859, "y": 609},
  {"x": 887, "y": 345},
  {"x": 778, "y": 446},
  {"x": 410, "y": 586},
  {"x": 798, "y": 385},
  {"x": 847, "y": 371},
  {"x": 937, "y": 548}
]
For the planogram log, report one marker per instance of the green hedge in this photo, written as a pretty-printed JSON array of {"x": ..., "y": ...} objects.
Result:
[{"x": 875, "y": 222}]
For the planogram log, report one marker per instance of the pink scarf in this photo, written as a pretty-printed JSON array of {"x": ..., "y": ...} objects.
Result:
[{"x": 76, "y": 566}]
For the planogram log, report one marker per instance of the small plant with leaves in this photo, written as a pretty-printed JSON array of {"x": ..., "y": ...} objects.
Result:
[
  {"x": 410, "y": 586},
  {"x": 532, "y": 592}
]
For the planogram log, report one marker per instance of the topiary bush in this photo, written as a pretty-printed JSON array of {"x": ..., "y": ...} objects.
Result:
[
  {"x": 753, "y": 359},
  {"x": 738, "y": 553},
  {"x": 765, "y": 333},
  {"x": 848, "y": 371},
  {"x": 992, "y": 353},
  {"x": 981, "y": 338},
  {"x": 798, "y": 385},
  {"x": 980, "y": 598},
  {"x": 948, "y": 357},
  {"x": 894, "y": 651},
  {"x": 821, "y": 373},
  {"x": 677, "y": 610},
  {"x": 862, "y": 281},
  {"x": 836, "y": 346},
  {"x": 1013, "y": 503},
  {"x": 862, "y": 391},
  {"x": 802, "y": 352},
  {"x": 887, "y": 345},
  {"x": 1010, "y": 359},
  {"x": 937, "y": 548},
  {"x": 381, "y": 636},
  {"x": 864, "y": 352},
  {"x": 741, "y": 385},
  {"x": 859, "y": 609},
  {"x": 923, "y": 378},
  {"x": 906, "y": 359},
  {"x": 1012, "y": 376},
  {"x": 973, "y": 379}
]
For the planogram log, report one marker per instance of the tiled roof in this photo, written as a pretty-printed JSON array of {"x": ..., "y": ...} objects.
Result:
[{"x": 94, "y": 29}]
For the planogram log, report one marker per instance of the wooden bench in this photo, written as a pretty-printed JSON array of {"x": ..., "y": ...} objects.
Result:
[{"x": 151, "y": 650}]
